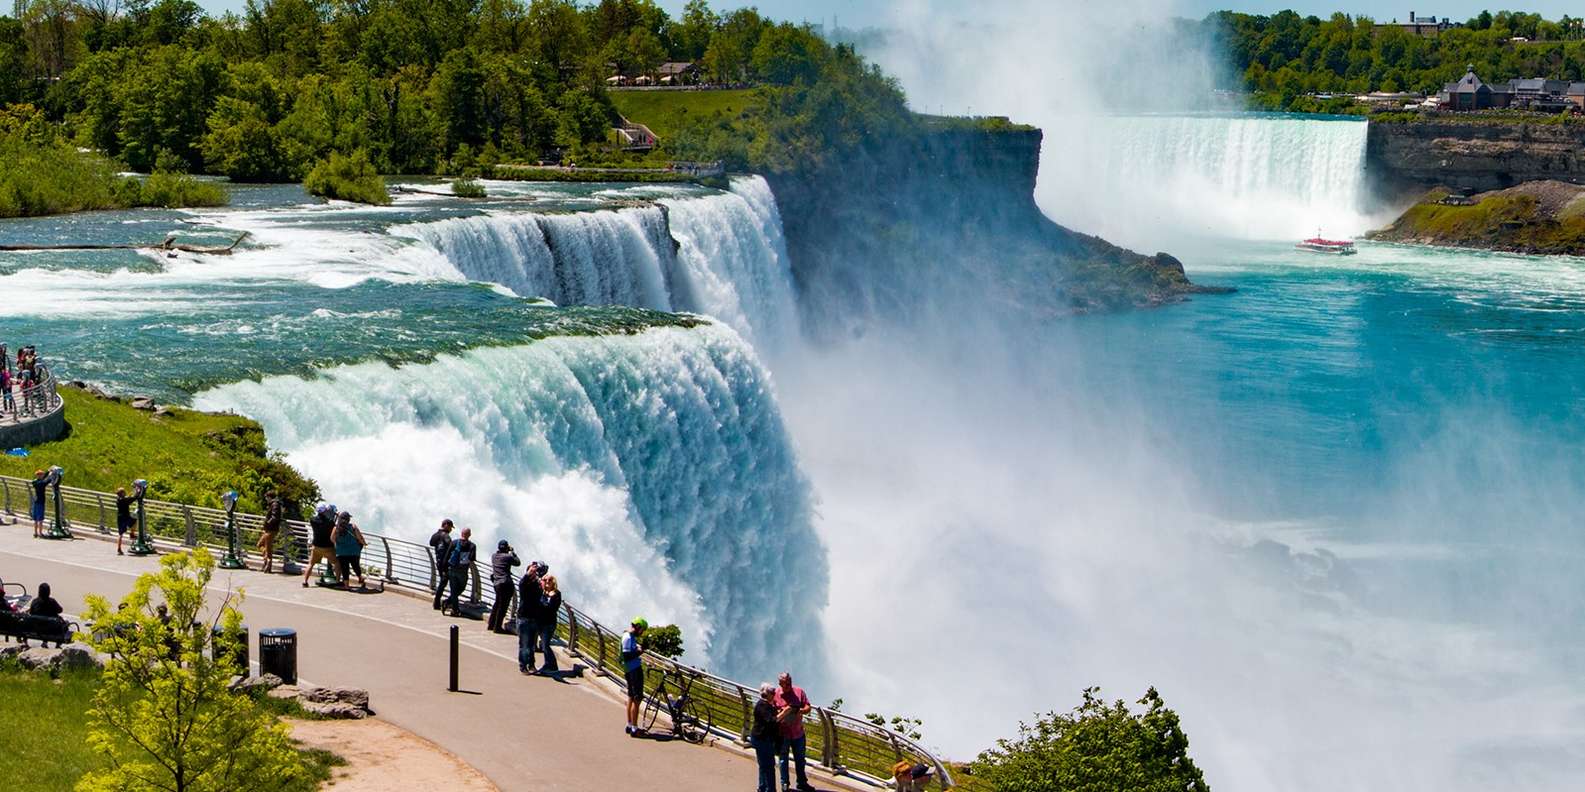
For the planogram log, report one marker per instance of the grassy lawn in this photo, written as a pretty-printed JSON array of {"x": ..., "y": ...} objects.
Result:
[
  {"x": 187, "y": 456},
  {"x": 46, "y": 745},
  {"x": 665, "y": 112},
  {"x": 45, "y": 718}
]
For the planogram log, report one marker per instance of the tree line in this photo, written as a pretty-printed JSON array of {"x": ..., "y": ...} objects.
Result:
[
  {"x": 1284, "y": 58},
  {"x": 420, "y": 86}
]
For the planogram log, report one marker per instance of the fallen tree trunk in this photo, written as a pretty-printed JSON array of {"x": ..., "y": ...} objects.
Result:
[{"x": 169, "y": 243}]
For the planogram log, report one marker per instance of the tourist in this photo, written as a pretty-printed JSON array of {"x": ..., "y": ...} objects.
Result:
[
  {"x": 8, "y": 402},
  {"x": 528, "y": 590},
  {"x": 501, "y": 564},
  {"x": 322, "y": 524},
  {"x": 124, "y": 520},
  {"x": 633, "y": 671},
  {"x": 765, "y": 736},
  {"x": 792, "y": 705},
  {"x": 45, "y": 605},
  {"x": 440, "y": 542},
  {"x": 463, "y": 553},
  {"x": 272, "y": 527},
  {"x": 349, "y": 544},
  {"x": 912, "y": 776},
  {"x": 549, "y": 603},
  {"x": 5, "y": 604},
  {"x": 41, "y": 485}
]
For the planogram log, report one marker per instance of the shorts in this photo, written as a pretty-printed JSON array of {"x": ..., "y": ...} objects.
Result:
[
  {"x": 635, "y": 684},
  {"x": 327, "y": 553},
  {"x": 351, "y": 564},
  {"x": 123, "y": 526},
  {"x": 38, "y": 511}
]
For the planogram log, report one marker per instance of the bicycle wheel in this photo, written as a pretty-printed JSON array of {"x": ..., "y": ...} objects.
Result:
[
  {"x": 696, "y": 721},
  {"x": 653, "y": 704}
]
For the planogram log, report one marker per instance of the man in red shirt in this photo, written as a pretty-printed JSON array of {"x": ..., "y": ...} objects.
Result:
[{"x": 791, "y": 707}]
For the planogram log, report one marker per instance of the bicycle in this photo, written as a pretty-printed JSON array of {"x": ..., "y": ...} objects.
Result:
[{"x": 690, "y": 718}]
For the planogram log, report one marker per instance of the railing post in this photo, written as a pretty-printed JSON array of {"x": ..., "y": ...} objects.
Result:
[
  {"x": 434, "y": 568},
  {"x": 601, "y": 635},
  {"x": 389, "y": 567},
  {"x": 192, "y": 530},
  {"x": 473, "y": 598},
  {"x": 6, "y": 485},
  {"x": 572, "y": 629},
  {"x": 897, "y": 750},
  {"x": 830, "y": 753},
  {"x": 101, "y": 500},
  {"x": 748, "y": 713}
]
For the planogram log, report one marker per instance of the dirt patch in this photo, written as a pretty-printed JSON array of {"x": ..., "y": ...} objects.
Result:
[{"x": 382, "y": 757}]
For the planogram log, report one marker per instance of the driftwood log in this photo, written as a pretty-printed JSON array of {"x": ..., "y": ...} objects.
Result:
[{"x": 169, "y": 243}]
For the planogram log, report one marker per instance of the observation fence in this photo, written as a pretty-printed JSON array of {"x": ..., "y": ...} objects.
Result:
[{"x": 839, "y": 742}]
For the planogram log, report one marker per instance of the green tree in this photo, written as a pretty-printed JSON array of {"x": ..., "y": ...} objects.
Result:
[
  {"x": 1096, "y": 747},
  {"x": 664, "y": 640},
  {"x": 457, "y": 93},
  {"x": 164, "y": 717},
  {"x": 786, "y": 55},
  {"x": 347, "y": 178}
]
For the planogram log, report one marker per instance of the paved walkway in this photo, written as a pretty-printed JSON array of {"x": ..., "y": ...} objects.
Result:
[{"x": 524, "y": 733}]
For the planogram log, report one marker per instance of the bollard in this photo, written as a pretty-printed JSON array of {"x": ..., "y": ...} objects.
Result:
[{"x": 453, "y": 687}]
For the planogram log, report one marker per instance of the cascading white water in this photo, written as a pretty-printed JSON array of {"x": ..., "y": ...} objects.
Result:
[
  {"x": 732, "y": 261},
  {"x": 584, "y": 258},
  {"x": 1144, "y": 180},
  {"x": 653, "y": 472},
  {"x": 720, "y": 255}
]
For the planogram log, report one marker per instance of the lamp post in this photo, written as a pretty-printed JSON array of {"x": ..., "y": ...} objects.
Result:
[
  {"x": 140, "y": 543},
  {"x": 57, "y": 529},
  {"x": 230, "y": 561}
]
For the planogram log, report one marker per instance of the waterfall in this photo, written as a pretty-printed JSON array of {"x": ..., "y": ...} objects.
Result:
[
  {"x": 583, "y": 258},
  {"x": 652, "y": 471},
  {"x": 1144, "y": 180},
  {"x": 721, "y": 255}
]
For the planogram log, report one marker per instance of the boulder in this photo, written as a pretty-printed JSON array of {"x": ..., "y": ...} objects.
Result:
[
  {"x": 76, "y": 657},
  {"x": 285, "y": 692},
  {"x": 257, "y": 684},
  {"x": 336, "y": 702},
  {"x": 143, "y": 403},
  {"x": 36, "y": 658}
]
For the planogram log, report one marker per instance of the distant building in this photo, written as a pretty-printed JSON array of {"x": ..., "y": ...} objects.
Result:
[
  {"x": 678, "y": 73},
  {"x": 1530, "y": 93},
  {"x": 1423, "y": 26}
]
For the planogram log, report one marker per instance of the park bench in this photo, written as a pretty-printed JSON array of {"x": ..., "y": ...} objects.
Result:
[{"x": 45, "y": 629}]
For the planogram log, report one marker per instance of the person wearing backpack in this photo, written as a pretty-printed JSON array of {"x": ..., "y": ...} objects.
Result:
[
  {"x": 463, "y": 553},
  {"x": 440, "y": 541},
  {"x": 349, "y": 550}
]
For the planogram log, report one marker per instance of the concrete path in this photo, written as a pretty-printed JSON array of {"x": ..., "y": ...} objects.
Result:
[{"x": 524, "y": 733}]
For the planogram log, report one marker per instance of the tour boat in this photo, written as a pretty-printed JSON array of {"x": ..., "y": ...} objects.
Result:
[{"x": 1337, "y": 247}]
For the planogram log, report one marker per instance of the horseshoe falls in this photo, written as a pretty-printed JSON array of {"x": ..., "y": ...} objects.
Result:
[
  {"x": 1149, "y": 180},
  {"x": 653, "y": 473}
]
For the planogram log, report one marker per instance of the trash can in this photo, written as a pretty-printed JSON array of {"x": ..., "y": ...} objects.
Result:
[
  {"x": 241, "y": 653},
  {"x": 278, "y": 653}
]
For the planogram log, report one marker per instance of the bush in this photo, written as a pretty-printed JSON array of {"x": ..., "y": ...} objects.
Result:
[
  {"x": 174, "y": 190},
  {"x": 664, "y": 640},
  {"x": 347, "y": 178},
  {"x": 467, "y": 188},
  {"x": 1096, "y": 746}
]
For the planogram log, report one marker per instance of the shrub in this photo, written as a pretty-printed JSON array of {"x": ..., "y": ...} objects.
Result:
[
  {"x": 1096, "y": 746},
  {"x": 664, "y": 640},
  {"x": 467, "y": 188},
  {"x": 174, "y": 190},
  {"x": 347, "y": 178}
]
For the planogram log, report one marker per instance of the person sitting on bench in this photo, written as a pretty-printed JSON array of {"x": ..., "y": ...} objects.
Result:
[{"x": 44, "y": 604}]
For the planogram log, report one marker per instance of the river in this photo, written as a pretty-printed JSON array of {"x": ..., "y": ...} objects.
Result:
[{"x": 1331, "y": 516}]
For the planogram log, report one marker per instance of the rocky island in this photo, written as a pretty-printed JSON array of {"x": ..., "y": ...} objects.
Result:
[{"x": 1540, "y": 217}]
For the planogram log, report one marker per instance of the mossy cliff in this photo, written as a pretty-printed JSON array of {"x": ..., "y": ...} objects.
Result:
[
  {"x": 1544, "y": 217},
  {"x": 951, "y": 210}
]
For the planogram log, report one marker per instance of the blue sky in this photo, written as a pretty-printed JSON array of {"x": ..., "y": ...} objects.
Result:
[{"x": 861, "y": 13}]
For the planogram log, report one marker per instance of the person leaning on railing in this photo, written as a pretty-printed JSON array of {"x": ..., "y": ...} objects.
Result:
[
  {"x": 912, "y": 776},
  {"x": 463, "y": 553},
  {"x": 440, "y": 542}
]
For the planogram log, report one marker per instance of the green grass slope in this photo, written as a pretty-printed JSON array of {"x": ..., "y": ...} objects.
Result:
[
  {"x": 667, "y": 112},
  {"x": 187, "y": 456}
]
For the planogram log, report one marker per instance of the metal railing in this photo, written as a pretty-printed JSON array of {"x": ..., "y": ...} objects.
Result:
[
  {"x": 841, "y": 743},
  {"x": 38, "y": 399}
]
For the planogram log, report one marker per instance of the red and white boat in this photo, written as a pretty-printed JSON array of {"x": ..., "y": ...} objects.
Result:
[{"x": 1336, "y": 247}]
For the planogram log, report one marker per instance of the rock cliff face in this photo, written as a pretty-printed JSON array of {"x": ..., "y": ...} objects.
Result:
[
  {"x": 952, "y": 212},
  {"x": 1538, "y": 217},
  {"x": 1471, "y": 156}
]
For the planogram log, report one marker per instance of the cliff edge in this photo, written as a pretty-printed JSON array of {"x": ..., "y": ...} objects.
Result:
[
  {"x": 952, "y": 211},
  {"x": 1473, "y": 154},
  {"x": 1541, "y": 217}
]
